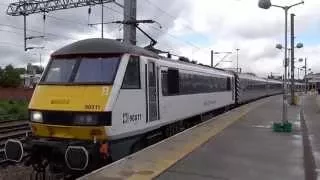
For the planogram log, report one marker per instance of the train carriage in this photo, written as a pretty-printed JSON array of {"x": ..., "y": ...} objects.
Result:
[
  {"x": 251, "y": 87},
  {"x": 275, "y": 87}
]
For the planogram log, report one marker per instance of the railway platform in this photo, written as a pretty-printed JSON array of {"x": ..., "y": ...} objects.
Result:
[{"x": 239, "y": 144}]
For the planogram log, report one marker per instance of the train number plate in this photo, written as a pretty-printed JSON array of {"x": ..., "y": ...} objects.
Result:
[{"x": 92, "y": 107}]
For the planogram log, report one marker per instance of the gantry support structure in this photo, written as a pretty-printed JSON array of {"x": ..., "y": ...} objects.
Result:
[{"x": 27, "y": 7}]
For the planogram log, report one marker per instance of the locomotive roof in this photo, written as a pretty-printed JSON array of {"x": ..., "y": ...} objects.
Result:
[
  {"x": 108, "y": 46},
  {"x": 101, "y": 46},
  {"x": 179, "y": 63}
]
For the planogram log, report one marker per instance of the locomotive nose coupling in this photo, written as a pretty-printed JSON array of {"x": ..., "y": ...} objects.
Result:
[{"x": 13, "y": 150}]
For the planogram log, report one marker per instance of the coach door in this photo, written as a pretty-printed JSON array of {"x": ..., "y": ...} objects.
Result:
[{"x": 152, "y": 94}]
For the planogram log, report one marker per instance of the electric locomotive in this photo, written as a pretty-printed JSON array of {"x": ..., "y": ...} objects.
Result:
[{"x": 100, "y": 100}]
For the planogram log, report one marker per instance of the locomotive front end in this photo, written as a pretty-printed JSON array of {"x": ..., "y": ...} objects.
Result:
[{"x": 69, "y": 112}]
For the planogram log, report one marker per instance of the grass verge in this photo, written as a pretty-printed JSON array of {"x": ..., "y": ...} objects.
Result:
[{"x": 13, "y": 110}]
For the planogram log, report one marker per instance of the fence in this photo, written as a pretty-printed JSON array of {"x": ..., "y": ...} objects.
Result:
[{"x": 16, "y": 93}]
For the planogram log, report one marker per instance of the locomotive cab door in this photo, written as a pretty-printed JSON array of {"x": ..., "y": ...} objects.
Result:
[{"x": 152, "y": 91}]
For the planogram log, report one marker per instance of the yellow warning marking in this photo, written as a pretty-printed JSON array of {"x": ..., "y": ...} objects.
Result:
[
  {"x": 70, "y": 98},
  {"x": 152, "y": 161},
  {"x": 69, "y": 132}
]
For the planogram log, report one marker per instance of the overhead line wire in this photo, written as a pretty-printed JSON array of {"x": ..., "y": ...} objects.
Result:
[
  {"x": 31, "y": 30},
  {"x": 173, "y": 18},
  {"x": 175, "y": 37},
  {"x": 116, "y": 11}
]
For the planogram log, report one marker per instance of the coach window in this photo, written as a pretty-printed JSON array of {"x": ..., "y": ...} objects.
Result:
[{"x": 131, "y": 78}]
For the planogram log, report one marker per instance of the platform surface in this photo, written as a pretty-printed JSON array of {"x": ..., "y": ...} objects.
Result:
[
  {"x": 311, "y": 108},
  {"x": 236, "y": 145},
  {"x": 247, "y": 150}
]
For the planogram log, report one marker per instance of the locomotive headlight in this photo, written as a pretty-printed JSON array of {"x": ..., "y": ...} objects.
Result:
[
  {"x": 86, "y": 119},
  {"x": 36, "y": 116}
]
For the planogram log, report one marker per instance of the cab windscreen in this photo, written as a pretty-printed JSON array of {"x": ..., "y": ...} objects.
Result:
[{"x": 85, "y": 70}]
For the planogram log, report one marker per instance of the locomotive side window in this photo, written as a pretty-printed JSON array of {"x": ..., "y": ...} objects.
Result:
[
  {"x": 164, "y": 82},
  {"x": 228, "y": 84},
  {"x": 131, "y": 78},
  {"x": 195, "y": 84},
  {"x": 183, "y": 83},
  {"x": 173, "y": 81}
]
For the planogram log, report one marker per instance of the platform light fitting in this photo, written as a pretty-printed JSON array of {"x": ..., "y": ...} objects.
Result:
[{"x": 264, "y": 4}]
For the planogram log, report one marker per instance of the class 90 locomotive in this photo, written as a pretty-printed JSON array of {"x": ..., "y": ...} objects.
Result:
[{"x": 99, "y": 100}]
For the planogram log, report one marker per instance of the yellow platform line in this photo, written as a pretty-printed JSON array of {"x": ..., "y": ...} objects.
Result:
[{"x": 152, "y": 161}]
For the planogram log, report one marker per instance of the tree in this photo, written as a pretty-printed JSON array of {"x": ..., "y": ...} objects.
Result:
[
  {"x": 21, "y": 70},
  {"x": 10, "y": 77},
  {"x": 9, "y": 68}
]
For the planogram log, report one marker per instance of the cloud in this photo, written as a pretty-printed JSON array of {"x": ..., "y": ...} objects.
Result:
[
  {"x": 240, "y": 24},
  {"x": 191, "y": 28}
]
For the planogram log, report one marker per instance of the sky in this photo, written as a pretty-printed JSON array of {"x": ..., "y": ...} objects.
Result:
[{"x": 190, "y": 28}]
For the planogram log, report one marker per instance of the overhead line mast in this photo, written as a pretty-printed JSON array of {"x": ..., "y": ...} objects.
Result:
[{"x": 130, "y": 14}]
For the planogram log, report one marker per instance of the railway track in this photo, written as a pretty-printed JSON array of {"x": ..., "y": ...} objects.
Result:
[{"x": 11, "y": 130}]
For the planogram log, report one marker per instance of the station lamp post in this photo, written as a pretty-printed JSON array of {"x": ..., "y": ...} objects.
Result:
[
  {"x": 266, "y": 4},
  {"x": 300, "y": 69},
  {"x": 305, "y": 72},
  {"x": 298, "y": 46},
  {"x": 310, "y": 72}
]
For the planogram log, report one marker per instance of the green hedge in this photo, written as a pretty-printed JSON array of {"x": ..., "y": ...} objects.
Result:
[{"x": 13, "y": 110}]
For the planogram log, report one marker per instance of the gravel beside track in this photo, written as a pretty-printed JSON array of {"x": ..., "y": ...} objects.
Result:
[
  {"x": 13, "y": 129},
  {"x": 18, "y": 172}
]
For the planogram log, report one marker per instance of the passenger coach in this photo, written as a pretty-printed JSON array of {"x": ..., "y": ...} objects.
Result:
[{"x": 251, "y": 87}]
